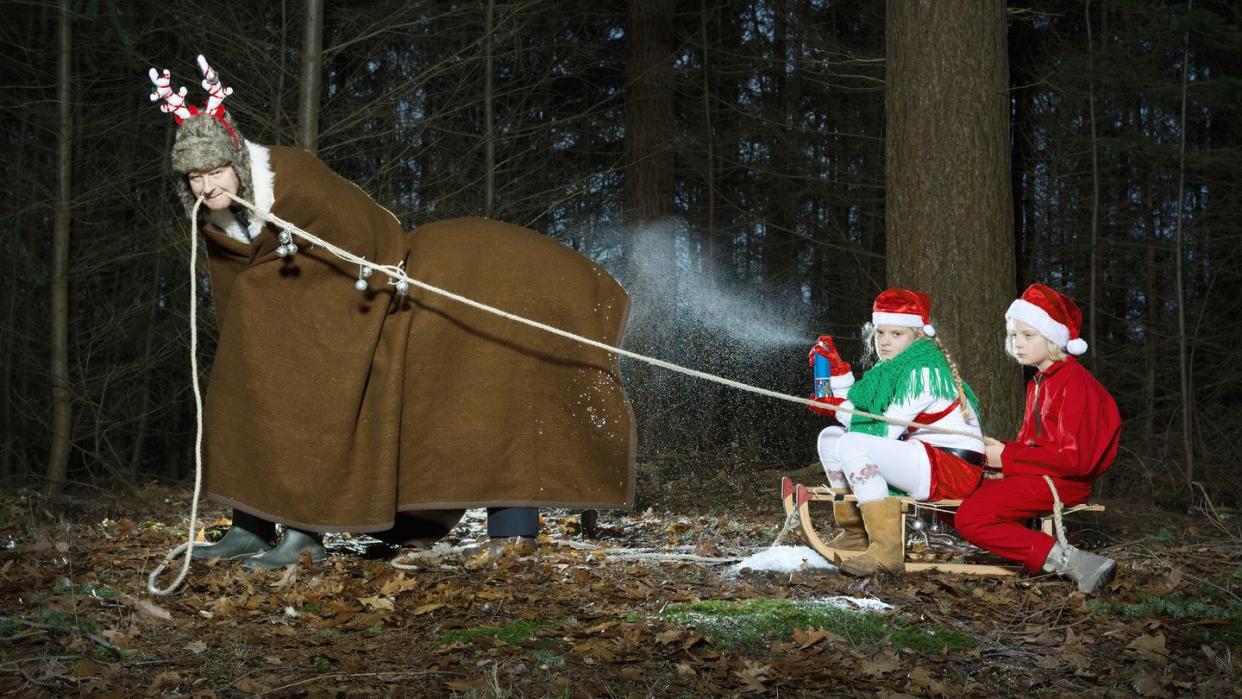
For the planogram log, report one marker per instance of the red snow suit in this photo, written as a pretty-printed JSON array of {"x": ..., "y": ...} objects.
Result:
[{"x": 1069, "y": 433}]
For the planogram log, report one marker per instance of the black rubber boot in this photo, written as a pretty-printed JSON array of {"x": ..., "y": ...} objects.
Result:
[
  {"x": 288, "y": 551},
  {"x": 420, "y": 528},
  {"x": 248, "y": 535}
]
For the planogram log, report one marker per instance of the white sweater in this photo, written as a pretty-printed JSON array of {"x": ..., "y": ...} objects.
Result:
[{"x": 924, "y": 403}]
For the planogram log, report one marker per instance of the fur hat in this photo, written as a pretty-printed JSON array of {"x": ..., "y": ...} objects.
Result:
[{"x": 205, "y": 139}]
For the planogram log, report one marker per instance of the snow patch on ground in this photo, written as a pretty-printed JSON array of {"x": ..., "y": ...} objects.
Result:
[
  {"x": 865, "y": 604},
  {"x": 783, "y": 559}
]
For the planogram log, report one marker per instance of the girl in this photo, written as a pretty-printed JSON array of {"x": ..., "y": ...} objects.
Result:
[
  {"x": 1069, "y": 434},
  {"x": 914, "y": 381}
]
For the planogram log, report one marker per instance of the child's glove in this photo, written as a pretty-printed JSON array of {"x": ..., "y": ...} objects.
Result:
[
  {"x": 826, "y": 348},
  {"x": 828, "y": 405}
]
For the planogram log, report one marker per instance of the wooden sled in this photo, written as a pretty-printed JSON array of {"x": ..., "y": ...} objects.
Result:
[{"x": 798, "y": 497}]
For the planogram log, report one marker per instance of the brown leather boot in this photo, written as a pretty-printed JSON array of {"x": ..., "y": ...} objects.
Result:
[
  {"x": 882, "y": 519},
  {"x": 853, "y": 536}
]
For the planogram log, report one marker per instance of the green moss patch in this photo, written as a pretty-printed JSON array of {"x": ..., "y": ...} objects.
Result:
[
  {"x": 513, "y": 632},
  {"x": 754, "y": 622},
  {"x": 1218, "y": 619}
]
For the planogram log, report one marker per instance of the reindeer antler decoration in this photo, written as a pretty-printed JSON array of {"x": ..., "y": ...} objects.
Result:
[
  {"x": 173, "y": 102},
  {"x": 215, "y": 90}
]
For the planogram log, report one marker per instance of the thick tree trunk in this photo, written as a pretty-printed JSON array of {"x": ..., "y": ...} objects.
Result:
[
  {"x": 312, "y": 77},
  {"x": 948, "y": 216},
  {"x": 62, "y": 407},
  {"x": 709, "y": 141},
  {"x": 650, "y": 233}
]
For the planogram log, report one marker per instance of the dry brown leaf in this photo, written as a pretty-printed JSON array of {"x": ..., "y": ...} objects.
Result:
[
  {"x": 878, "y": 667},
  {"x": 249, "y": 686},
  {"x": 426, "y": 608},
  {"x": 377, "y": 602},
  {"x": 753, "y": 675},
  {"x": 1150, "y": 647},
  {"x": 668, "y": 637},
  {"x": 808, "y": 637},
  {"x": 287, "y": 578},
  {"x": 685, "y": 670},
  {"x": 922, "y": 681}
]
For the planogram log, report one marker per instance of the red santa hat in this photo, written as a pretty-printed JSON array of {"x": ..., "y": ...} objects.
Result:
[
  {"x": 1054, "y": 315},
  {"x": 903, "y": 308}
]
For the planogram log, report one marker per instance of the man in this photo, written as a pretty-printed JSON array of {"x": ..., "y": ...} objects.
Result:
[{"x": 385, "y": 410}]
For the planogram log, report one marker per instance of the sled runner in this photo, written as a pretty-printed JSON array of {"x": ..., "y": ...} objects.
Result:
[{"x": 797, "y": 498}]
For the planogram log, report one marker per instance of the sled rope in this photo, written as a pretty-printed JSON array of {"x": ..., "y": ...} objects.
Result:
[
  {"x": 188, "y": 546},
  {"x": 397, "y": 273},
  {"x": 1057, "y": 508}
]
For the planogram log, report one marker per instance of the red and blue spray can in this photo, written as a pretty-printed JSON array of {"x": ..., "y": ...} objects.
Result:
[{"x": 823, "y": 376}]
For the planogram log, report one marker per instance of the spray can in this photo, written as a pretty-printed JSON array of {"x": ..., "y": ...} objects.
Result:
[{"x": 823, "y": 376}]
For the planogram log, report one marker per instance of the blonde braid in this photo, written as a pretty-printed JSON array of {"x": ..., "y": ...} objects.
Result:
[{"x": 957, "y": 377}]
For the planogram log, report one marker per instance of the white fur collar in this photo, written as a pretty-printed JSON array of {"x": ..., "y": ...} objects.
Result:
[{"x": 264, "y": 182}]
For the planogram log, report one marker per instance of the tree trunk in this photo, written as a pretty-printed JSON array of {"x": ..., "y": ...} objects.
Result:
[
  {"x": 62, "y": 407},
  {"x": 312, "y": 77},
  {"x": 648, "y": 193},
  {"x": 1183, "y": 367},
  {"x": 709, "y": 141},
  {"x": 948, "y": 215}
]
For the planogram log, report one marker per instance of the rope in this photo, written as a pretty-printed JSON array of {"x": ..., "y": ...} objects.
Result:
[
  {"x": 188, "y": 546},
  {"x": 1057, "y": 509},
  {"x": 397, "y": 273}
]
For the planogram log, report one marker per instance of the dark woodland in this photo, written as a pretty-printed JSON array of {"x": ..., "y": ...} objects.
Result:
[{"x": 753, "y": 173}]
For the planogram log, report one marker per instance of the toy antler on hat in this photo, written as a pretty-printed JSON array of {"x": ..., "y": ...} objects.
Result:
[
  {"x": 215, "y": 90},
  {"x": 173, "y": 102}
]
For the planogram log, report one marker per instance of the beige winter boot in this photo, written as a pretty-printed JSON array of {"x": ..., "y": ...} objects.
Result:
[
  {"x": 886, "y": 551},
  {"x": 853, "y": 536}
]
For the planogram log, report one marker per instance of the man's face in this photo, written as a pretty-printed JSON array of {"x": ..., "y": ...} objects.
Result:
[{"x": 212, "y": 184}]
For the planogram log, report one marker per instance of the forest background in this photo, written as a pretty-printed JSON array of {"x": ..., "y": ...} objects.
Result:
[{"x": 742, "y": 167}]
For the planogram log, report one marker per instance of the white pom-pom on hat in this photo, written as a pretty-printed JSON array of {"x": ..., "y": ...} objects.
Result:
[{"x": 1076, "y": 346}]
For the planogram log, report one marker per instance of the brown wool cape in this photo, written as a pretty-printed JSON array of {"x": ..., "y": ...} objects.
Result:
[{"x": 329, "y": 409}]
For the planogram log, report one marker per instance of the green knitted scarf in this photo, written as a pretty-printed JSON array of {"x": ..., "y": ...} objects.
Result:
[{"x": 899, "y": 379}]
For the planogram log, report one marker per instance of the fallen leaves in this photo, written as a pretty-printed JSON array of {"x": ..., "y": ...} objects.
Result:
[{"x": 356, "y": 624}]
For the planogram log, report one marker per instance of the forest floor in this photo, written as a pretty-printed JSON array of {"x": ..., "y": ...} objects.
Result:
[{"x": 575, "y": 621}]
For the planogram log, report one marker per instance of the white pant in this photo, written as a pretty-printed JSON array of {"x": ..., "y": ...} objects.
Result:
[{"x": 867, "y": 465}]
